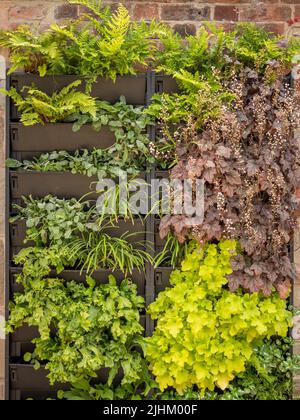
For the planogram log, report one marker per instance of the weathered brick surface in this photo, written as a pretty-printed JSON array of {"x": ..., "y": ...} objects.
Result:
[
  {"x": 185, "y": 12},
  {"x": 65, "y": 11},
  {"x": 146, "y": 11},
  {"x": 28, "y": 12},
  {"x": 263, "y": 12},
  {"x": 226, "y": 13}
]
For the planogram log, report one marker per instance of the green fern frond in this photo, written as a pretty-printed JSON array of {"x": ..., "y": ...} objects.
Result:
[
  {"x": 37, "y": 107},
  {"x": 118, "y": 25}
]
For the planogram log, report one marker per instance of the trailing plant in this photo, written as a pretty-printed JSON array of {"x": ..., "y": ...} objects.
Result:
[
  {"x": 249, "y": 161},
  {"x": 141, "y": 388},
  {"x": 146, "y": 389},
  {"x": 202, "y": 64},
  {"x": 268, "y": 376},
  {"x": 205, "y": 335},
  {"x": 200, "y": 97},
  {"x": 96, "y": 250},
  {"x": 36, "y": 107},
  {"x": 213, "y": 48},
  {"x": 37, "y": 262},
  {"x": 99, "y": 43},
  {"x": 51, "y": 219},
  {"x": 129, "y": 153},
  {"x": 81, "y": 233},
  {"x": 95, "y": 327},
  {"x": 172, "y": 253}
]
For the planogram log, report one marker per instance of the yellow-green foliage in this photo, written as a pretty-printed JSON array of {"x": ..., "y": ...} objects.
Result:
[
  {"x": 205, "y": 334},
  {"x": 37, "y": 107}
]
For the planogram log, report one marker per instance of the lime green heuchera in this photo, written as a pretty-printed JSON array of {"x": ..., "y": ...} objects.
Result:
[{"x": 205, "y": 334}]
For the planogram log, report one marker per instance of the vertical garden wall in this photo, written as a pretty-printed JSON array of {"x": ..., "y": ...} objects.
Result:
[{"x": 112, "y": 303}]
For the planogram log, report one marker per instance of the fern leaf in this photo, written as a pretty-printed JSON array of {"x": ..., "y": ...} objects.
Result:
[{"x": 118, "y": 25}]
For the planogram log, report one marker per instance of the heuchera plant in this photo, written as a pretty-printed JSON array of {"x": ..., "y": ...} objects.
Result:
[
  {"x": 249, "y": 160},
  {"x": 205, "y": 334}
]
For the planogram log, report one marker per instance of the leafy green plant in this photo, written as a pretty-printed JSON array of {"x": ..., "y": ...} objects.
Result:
[
  {"x": 36, "y": 107},
  {"x": 213, "y": 49},
  {"x": 202, "y": 65},
  {"x": 205, "y": 334},
  {"x": 52, "y": 219},
  {"x": 37, "y": 262},
  {"x": 129, "y": 153},
  {"x": 99, "y": 43},
  {"x": 98, "y": 250},
  {"x": 268, "y": 376},
  {"x": 80, "y": 232},
  {"x": 199, "y": 97},
  {"x": 95, "y": 327},
  {"x": 172, "y": 253}
]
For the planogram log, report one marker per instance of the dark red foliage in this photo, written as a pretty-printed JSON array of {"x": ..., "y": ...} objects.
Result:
[{"x": 249, "y": 159}]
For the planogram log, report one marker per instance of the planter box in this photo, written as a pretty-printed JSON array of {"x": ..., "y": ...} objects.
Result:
[
  {"x": 30, "y": 142},
  {"x": 134, "y": 88},
  {"x": 26, "y": 382},
  {"x": 20, "y": 341},
  {"x": 137, "y": 233},
  {"x": 162, "y": 277},
  {"x": 60, "y": 184},
  {"x": 101, "y": 276},
  {"x": 166, "y": 84}
]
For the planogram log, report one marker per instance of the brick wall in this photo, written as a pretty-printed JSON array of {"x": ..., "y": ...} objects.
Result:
[{"x": 185, "y": 16}]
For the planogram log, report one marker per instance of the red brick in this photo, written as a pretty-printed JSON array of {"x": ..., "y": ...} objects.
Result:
[
  {"x": 4, "y": 14},
  {"x": 65, "y": 11},
  {"x": 227, "y": 26},
  {"x": 297, "y": 11},
  {"x": 182, "y": 12},
  {"x": 35, "y": 12},
  {"x": 146, "y": 11},
  {"x": 185, "y": 29},
  {"x": 263, "y": 12},
  {"x": 230, "y": 13}
]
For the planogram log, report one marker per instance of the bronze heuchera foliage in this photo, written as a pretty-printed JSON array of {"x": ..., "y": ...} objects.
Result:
[{"x": 249, "y": 159}]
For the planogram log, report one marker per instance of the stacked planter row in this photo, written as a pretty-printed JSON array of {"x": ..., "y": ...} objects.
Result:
[{"x": 29, "y": 142}]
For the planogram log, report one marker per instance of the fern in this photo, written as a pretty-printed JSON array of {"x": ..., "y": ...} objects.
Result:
[
  {"x": 100, "y": 43},
  {"x": 37, "y": 107}
]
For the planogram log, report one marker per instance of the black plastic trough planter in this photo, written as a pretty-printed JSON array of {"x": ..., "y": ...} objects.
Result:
[
  {"x": 26, "y": 382},
  {"x": 165, "y": 84},
  {"x": 60, "y": 184},
  {"x": 162, "y": 277},
  {"x": 134, "y": 88},
  {"x": 29, "y": 142},
  {"x": 136, "y": 231}
]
